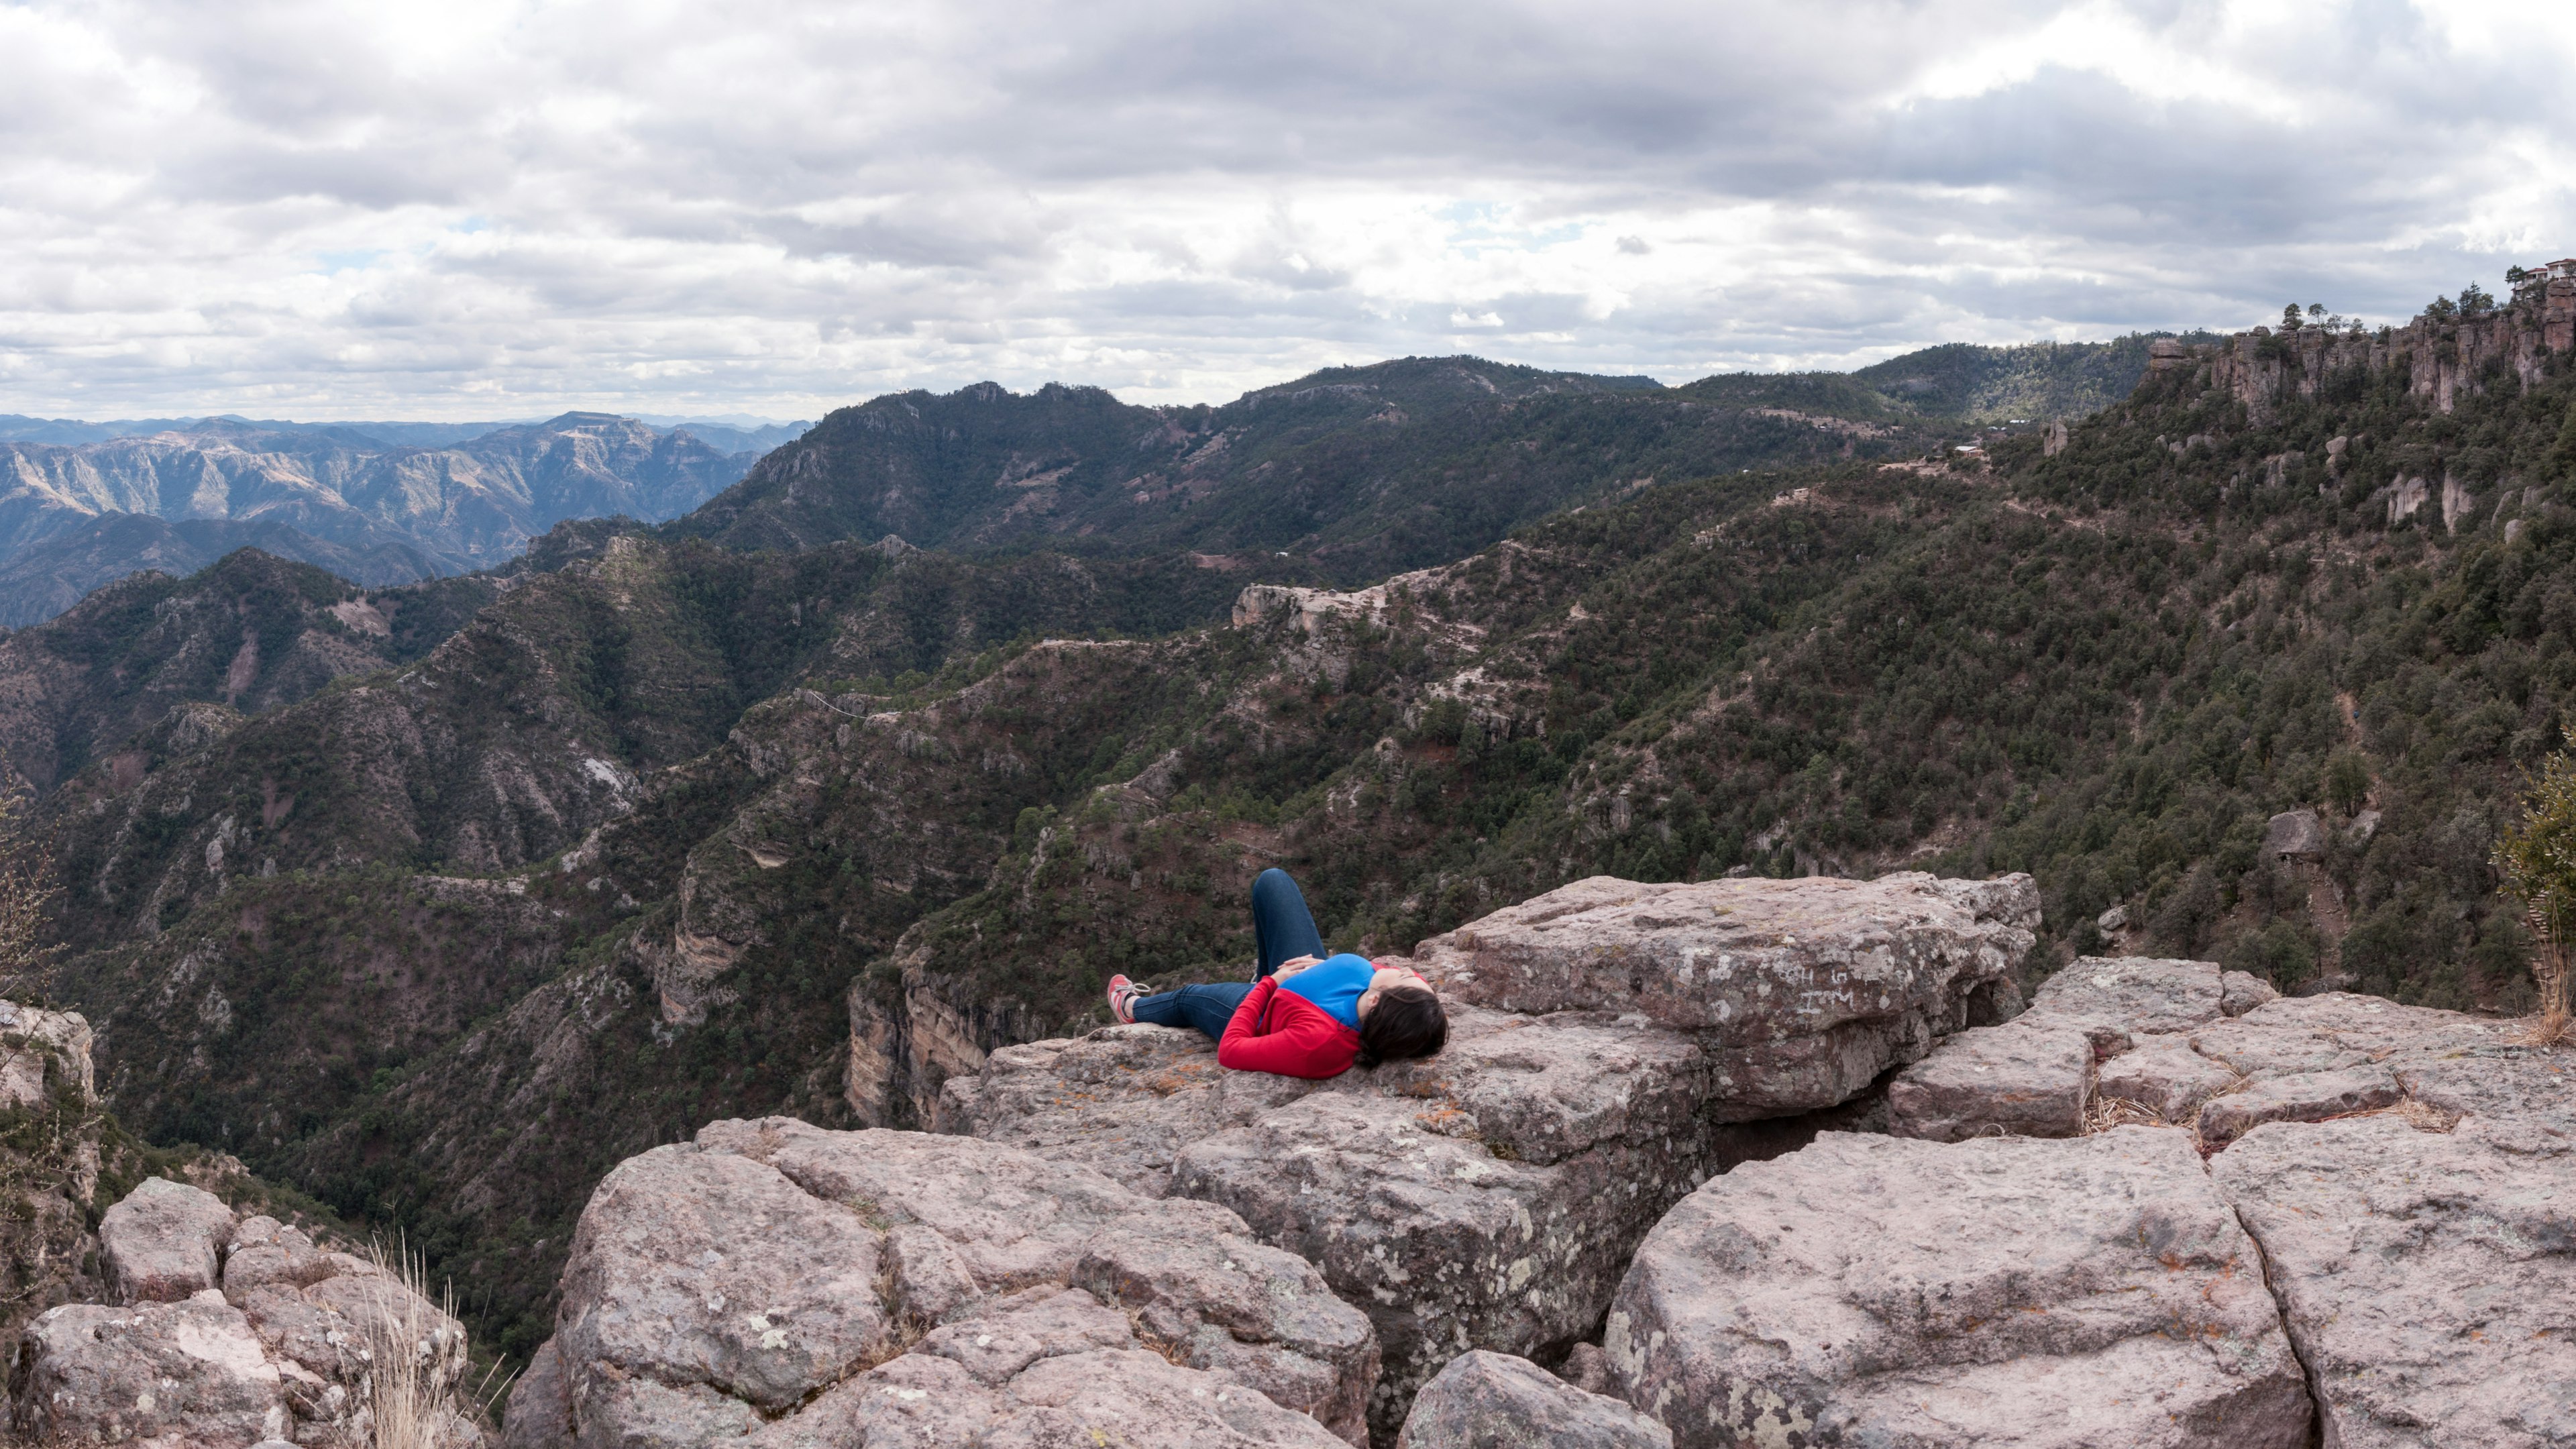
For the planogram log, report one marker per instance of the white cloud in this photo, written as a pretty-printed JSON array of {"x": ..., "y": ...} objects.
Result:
[{"x": 486, "y": 207}]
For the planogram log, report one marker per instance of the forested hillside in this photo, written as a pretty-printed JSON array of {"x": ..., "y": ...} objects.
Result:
[{"x": 670, "y": 831}]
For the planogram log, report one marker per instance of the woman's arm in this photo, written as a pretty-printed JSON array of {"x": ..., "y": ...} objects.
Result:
[{"x": 1300, "y": 1049}]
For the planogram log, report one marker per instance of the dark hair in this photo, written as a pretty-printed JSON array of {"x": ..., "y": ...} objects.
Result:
[{"x": 1406, "y": 1022}]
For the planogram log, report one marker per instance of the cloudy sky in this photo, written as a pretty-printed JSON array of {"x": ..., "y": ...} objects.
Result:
[{"x": 484, "y": 208}]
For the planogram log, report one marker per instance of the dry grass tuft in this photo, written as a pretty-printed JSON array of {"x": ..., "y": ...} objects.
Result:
[
  {"x": 2104, "y": 1113},
  {"x": 407, "y": 1389}
]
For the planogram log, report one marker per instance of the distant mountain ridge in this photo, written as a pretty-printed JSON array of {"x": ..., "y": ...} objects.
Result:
[{"x": 74, "y": 516}]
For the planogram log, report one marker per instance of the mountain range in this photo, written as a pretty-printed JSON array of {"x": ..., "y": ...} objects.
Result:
[
  {"x": 436, "y": 900},
  {"x": 376, "y": 503}
]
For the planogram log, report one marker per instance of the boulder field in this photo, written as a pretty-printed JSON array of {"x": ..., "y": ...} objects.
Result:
[{"x": 227, "y": 1332}]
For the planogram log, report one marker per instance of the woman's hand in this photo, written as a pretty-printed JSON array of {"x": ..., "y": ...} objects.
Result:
[{"x": 1293, "y": 965}]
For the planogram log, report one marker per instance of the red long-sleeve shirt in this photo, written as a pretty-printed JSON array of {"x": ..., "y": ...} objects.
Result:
[{"x": 1280, "y": 1031}]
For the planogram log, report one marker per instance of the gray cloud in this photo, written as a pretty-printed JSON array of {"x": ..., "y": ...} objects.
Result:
[{"x": 493, "y": 206}]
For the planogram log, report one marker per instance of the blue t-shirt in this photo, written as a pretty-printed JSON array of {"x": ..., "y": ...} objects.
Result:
[{"x": 1335, "y": 985}]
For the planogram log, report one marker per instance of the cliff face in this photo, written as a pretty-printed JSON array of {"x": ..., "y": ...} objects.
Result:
[{"x": 2441, "y": 358}]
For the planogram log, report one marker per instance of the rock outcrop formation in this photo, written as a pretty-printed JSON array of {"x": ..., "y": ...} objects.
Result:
[
  {"x": 2130, "y": 1227},
  {"x": 2443, "y": 356},
  {"x": 783, "y": 1285},
  {"x": 49, "y": 1160},
  {"x": 226, "y": 1333},
  {"x": 1490, "y": 1197}
]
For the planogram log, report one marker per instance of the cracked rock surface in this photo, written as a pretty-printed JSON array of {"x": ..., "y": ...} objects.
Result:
[
  {"x": 2428, "y": 1278},
  {"x": 776, "y": 1283},
  {"x": 2005, "y": 1291}
]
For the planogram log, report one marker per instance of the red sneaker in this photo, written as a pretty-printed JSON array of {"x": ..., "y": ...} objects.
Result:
[{"x": 1122, "y": 999}]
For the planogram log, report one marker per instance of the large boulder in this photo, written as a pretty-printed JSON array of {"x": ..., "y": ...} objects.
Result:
[
  {"x": 728, "y": 1285},
  {"x": 1485, "y": 1198},
  {"x": 1488, "y": 1400},
  {"x": 1801, "y": 991},
  {"x": 2008, "y": 1291},
  {"x": 164, "y": 1242},
  {"x": 188, "y": 1373}
]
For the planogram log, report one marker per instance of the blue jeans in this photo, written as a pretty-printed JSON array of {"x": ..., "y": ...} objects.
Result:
[{"x": 1282, "y": 928}]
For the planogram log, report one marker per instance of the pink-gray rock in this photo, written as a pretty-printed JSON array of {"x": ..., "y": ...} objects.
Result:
[
  {"x": 2308, "y": 1097},
  {"x": 189, "y": 1373},
  {"x": 1488, "y": 1197},
  {"x": 2133, "y": 995},
  {"x": 715, "y": 1287},
  {"x": 2165, "y": 1076},
  {"x": 162, "y": 1243},
  {"x": 707, "y": 1268},
  {"x": 43, "y": 1055},
  {"x": 1908, "y": 1294},
  {"x": 2242, "y": 992},
  {"x": 1802, "y": 992},
  {"x": 2428, "y": 1279},
  {"x": 1488, "y": 1400},
  {"x": 2339, "y": 1029},
  {"x": 321, "y": 1316},
  {"x": 2025, "y": 1080},
  {"x": 1048, "y": 1367}
]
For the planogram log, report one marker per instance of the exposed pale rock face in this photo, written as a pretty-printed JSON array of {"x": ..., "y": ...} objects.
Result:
[
  {"x": 1488, "y": 1400},
  {"x": 162, "y": 1243},
  {"x": 41, "y": 1053},
  {"x": 1487, "y": 1197},
  {"x": 2005, "y": 1291},
  {"x": 1802, "y": 992},
  {"x": 2427, "y": 1278},
  {"x": 187, "y": 1373},
  {"x": 715, "y": 1287}
]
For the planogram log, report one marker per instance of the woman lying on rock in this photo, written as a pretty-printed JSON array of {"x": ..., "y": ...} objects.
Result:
[{"x": 1308, "y": 1014}]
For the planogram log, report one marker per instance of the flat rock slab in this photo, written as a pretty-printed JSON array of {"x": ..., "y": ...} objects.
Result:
[
  {"x": 2010, "y": 1291},
  {"x": 2307, "y": 1097},
  {"x": 2340, "y": 1029},
  {"x": 723, "y": 1287},
  {"x": 162, "y": 1243},
  {"x": 2428, "y": 1279},
  {"x": 1486, "y": 1198},
  {"x": 2136, "y": 995},
  {"x": 1802, "y": 992},
  {"x": 1495, "y": 1401},
  {"x": 2028, "y": 1081}
]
